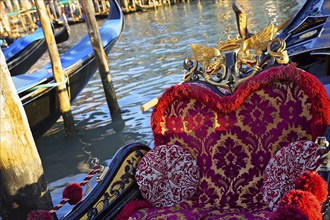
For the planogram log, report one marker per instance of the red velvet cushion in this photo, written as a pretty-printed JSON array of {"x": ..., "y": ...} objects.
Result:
[
  {"x": 285, "y": 167},
  {"x": 167, "y": 175}
]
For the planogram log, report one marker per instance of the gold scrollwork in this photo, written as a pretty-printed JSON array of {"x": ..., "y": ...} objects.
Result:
[
  {"x": 281, "y": 55},
  {"x": 121, "y": 180},
  {"x": 250, "y": 53}
]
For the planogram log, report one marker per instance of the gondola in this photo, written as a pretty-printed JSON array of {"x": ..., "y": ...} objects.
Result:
[
  {"x": 307, "y": 38},
  {"x": 41, "y": 104},
  {"x": 241, "y": 138},
  {"x": 64, "y": 34},
  {"x": 25, "y": 51}
]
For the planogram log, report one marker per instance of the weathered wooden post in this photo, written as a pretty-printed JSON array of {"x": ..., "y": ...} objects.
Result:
[
  {"x": 57, "y": 69},
  {"x": 54, "y": 5},
  {"x": 71, "y": 12},
  {"x": 26, "y": 6},
  {"x": 133, "y": 5},
  {"x": 9, "y": 5},
  {"x": 126, "y": 5},
  {"x": 16, "y": 5},
  {"x": 79, "y": 10},
  {"x": 97, "y": 6},
  {"x": 104, "y": 7},
  {"x": 101, "y": 60},
  {"x": 5, "y": 25},
  {"x": 50, "y": 15},
  {"x": 52, "y": 11},
  {"x": 22, "y": 184}
]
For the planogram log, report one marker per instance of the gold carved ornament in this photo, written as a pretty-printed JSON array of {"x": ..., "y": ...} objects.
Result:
[{"x": 250, "y": 55}]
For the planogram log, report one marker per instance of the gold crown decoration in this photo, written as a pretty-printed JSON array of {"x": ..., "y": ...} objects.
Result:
[
  {"x": 235, "y": 60},
  {"x": 230, "y": 44}
]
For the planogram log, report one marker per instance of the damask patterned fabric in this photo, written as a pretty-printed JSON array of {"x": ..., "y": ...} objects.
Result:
[
  {"x": 181, "y": 211},
  {"x": 285, "y": 167},
  {"x": 167, "y": 175},
  {"x": 234, "y": 137}
]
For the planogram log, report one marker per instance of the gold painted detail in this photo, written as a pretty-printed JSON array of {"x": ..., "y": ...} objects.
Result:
[
  {"x": 235, "y": 60},
  {"x": 308, "y": 34},
  {"x": 124, "y": 178}
]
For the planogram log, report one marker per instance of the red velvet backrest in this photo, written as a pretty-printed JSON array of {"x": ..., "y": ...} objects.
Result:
[{"x": 233, "y": 137}]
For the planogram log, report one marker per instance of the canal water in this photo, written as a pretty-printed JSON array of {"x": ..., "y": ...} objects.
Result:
[{"x": 145, "y": 61}]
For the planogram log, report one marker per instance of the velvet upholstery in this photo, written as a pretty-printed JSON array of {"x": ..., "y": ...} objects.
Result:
[
  {"x": 233, "y": 137},
  {"x": 184, "y": 211}
]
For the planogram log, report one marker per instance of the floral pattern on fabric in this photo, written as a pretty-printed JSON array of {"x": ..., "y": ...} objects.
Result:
[
  {"x": 167, "y": 175},
  {"x": 184, "y": 212},
  {"x": 232, "y": 148},
  {"x": 257, "y": 114},
  {"x": 285, "y": 167}
]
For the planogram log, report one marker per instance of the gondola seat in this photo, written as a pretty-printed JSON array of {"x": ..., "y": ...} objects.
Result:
[{"x": 234, "y": 138}]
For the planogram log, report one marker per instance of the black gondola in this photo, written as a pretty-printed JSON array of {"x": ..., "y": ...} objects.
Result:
[
  {"x": 308, "y": 40},
  {"x": 41, "y": 105},
  {"x": 23, "y": 53}
]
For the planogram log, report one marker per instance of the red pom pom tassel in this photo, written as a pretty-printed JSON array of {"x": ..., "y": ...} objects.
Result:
[
  {"x": 314, "y": 183},
  {"x": 305, "y": 201},
  {"x": 73, "y": 192},
  {"x": 39, "y": 215}
]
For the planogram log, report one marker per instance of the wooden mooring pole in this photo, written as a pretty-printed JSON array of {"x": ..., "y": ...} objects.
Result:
[
  {"x": 26, "y": 6},
  {"x": 22, "y": 184},
  {"x": 57, "y": 69},
  {"x": 16, "y": 5},
  {"x": 5, "y": 30},
  {"x": 9, "y": 5},
  {"x": 101, "y": 60}
]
